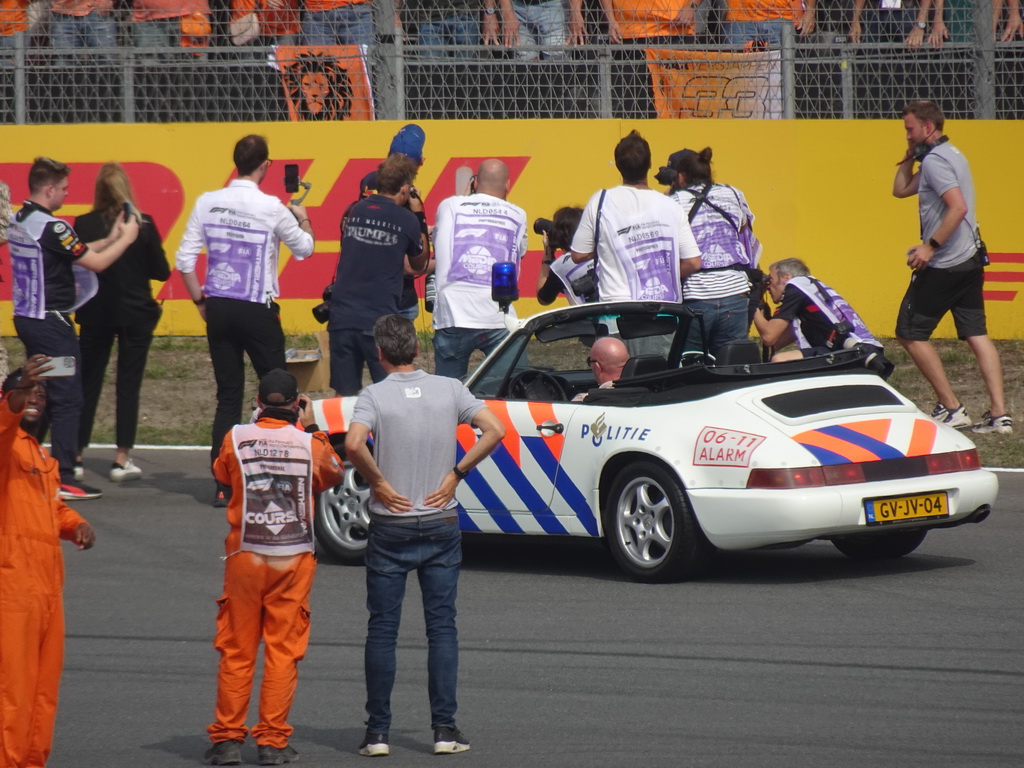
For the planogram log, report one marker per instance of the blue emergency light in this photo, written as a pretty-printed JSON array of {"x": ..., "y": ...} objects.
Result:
[{"x": 504, "y": 285}]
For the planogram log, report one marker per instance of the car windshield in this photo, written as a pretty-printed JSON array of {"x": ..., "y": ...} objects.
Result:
[{"x": 547, "y": 360}]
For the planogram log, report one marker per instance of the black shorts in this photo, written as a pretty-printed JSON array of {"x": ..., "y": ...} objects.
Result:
[{"x": 933, "y": 292}]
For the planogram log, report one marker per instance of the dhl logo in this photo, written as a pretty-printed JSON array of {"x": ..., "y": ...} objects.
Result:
[
  {"x": 871, "y": 440},
  {"x": 160, "y": 193}
]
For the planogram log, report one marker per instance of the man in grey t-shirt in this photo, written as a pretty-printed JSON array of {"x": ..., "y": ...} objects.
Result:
[
  {"x": 413, "y": 417},
  {"x": 948, "y": 270}
]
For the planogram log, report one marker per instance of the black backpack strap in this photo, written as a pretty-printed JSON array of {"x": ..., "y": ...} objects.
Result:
[{"x": 701, "y": 198}]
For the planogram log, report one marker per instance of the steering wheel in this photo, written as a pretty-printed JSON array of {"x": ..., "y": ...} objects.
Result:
[{"x": 537, "y": 385}]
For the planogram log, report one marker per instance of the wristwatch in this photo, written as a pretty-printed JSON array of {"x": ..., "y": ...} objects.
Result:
[
  {"x": 490, "y": 11},
  {"x": 921, "y": 24},
  {"x": 934, "y": 243}
]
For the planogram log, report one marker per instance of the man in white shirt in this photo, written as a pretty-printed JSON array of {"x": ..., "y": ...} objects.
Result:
[
  {"x": 640, "y": 238},
  {"x": 473, "y": 232},
  {"x": 240, "y": 229}
]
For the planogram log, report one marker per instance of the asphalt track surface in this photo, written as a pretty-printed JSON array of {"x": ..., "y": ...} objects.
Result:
[{"x": 789, "y": 658}]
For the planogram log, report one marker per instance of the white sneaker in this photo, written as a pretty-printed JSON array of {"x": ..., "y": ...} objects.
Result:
[
  {"x": 955, "y": 419},
  {"x": 1002, "y": 425},
  {"x": 128, "y": 471}
]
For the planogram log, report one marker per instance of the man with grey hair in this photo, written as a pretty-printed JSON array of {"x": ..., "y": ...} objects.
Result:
[
  {"x": 413, "y": 473},
  {"x": 811, "y": 314},
  {"x": 471, "y": 234}
]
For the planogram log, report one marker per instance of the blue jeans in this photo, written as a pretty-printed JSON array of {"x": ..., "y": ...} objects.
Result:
[
  {"x": 350, "y": 349},
  {"x": 454, "y": 346},
  {"x": 542, "y": 24},
  {"x": 457, "y": 31},
  {"x": 434, "y": 550},
  {"x": 347, "y": 25},
  {"x": 94, "y": 30},
  {"x": 743, "y": 32},
  {"x": 725, "y": 320}
]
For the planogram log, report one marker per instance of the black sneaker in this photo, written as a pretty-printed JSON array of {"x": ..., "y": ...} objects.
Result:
[
  {"x": 375, "y": 745},
  {"x": 75, "y": 490},
  {"x": 268, "y": 755},
  {"x": 448, "y": 740},
  {"x": 224, "y": 753}
]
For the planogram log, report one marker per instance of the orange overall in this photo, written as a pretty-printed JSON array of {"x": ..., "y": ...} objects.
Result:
[
  {"x": 33, "y": 519},
  {"x": 265, "y": 597}
]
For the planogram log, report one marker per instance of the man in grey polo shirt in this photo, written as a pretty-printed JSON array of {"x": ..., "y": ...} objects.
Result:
[
  {"x": 414, "y": 526},
  {"x": 948, "y": 267}
]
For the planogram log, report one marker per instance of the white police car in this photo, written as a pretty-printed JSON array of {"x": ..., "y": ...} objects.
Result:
[{"x": 688, "y": 454}]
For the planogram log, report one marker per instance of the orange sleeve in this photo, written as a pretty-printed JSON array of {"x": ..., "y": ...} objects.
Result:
[
  {"x": 327, "y": 469},
  {"x": 69, "y": 520},
  {"x": 241, "y": 7},
  {"x": 226, "y": 465}
]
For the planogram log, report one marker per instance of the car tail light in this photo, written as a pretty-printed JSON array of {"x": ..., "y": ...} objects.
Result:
[
  {"x": 802, "y": 477},
  {"x": 865, "y": 472}
]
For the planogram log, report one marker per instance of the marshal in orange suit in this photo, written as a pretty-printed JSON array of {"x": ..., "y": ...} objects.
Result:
[{"x": 33, "y": 520}]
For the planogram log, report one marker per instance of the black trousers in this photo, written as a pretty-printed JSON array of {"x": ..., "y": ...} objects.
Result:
[
  {"x": 133, "y": 342},
  {"x": 54, "y": 335},
  {"x": 233, "y": 327}
]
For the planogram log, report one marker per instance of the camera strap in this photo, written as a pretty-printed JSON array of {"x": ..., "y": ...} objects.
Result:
[{"x": 701, "y": 198}]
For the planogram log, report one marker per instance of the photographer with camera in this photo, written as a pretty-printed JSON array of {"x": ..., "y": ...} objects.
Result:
[
  {"x": 241, "y": 228},
  {"x": 948, "y": 267},
  {"x": 560, "y": 274},
  {"x": 640, "y": 240},
  {"x": 813, "y": 315},
  {"x": 722, "y": 225},
  {"x": 471, "y": 234}
]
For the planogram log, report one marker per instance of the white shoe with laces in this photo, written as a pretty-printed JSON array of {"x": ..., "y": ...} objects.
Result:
[
  {"x": 127, "y": 471},
  {"x": 1002, "y": 425}
]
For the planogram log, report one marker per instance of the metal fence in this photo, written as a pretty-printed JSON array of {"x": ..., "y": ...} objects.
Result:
[{"x": 415, "y": 75}]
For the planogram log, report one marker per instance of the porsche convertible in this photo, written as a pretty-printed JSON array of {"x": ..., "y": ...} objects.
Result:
[{"x": 690, "y": 453}]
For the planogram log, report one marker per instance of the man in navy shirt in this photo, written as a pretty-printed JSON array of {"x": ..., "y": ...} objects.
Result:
[{"x": 382, "y": 242}]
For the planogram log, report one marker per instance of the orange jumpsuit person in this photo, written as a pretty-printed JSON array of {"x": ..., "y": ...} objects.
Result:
[
  {"x": 33, "y": 520},
  {"x": 274, "y": 469}
]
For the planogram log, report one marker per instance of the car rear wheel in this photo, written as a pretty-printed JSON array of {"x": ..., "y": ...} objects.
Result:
[
  {"x": 343, "y": 518},
  {"x": 881, "y": 546},
  {"x": 653, "y": 534}
]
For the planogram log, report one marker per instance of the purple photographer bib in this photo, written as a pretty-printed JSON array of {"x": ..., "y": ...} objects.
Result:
[
  {"x": 28, "y": 273},
  {"x": 478, "y": 241},
  {"x": 236, "y": 262},
  {"x": 655, "y": 269}
]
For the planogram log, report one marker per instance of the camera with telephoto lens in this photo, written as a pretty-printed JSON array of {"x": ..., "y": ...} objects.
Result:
[
  {"x": 322, "y": 312},
  {"x": 666, "y": 176},
  {"x": 543, "y": 226}
]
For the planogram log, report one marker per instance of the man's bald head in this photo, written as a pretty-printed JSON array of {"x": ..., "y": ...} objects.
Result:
[
  {"x": 607, "y": 358},
  {"x": 492, "y": 178}
]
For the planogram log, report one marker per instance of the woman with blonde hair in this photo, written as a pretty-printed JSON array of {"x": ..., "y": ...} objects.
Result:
[{"x": 122, "y": 309}]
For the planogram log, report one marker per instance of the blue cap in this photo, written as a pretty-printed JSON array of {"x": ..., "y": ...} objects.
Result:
[{"x": 409, "y": 142}]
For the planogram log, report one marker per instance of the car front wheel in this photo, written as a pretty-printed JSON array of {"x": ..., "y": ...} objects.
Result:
[
  {"x": 881, "y": 546},
  {"x": 653, "y": 534},
  {"x": 343, "y": 518}
]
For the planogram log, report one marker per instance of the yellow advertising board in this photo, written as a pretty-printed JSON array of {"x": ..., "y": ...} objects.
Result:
[{"x": 820, "y": 191}]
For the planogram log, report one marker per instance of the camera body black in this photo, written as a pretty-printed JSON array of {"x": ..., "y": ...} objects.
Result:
[
  {"x": 322, "y": 312},
  {"x": 666, "y": 176},
  {"x": 542, "y": 226}
]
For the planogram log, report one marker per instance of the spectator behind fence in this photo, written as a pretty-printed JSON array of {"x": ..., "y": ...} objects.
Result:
[
  {"x": 471, "y": 233},
  {"x": 170, "y": 24},
  {"x": 122, "y": 309},
  {"x": 13, "y": 19},
  {"x": 275, "y": 467},
  {"x": 241, "y": 228},
  {"x": 948, "y": 267},
  {"x": 642, "y": 22},
  {"x": 33, "y": 520},
  {"x": 811, "y": 314},
  {"x": 1007, "y": 21},
  {"x": 542, "y": 23},
  {"x": 81, "y": 24},
  {"x": 641, "y": 239},
  {"x": 879, "y": 21},
  {"x": 42, "y": 244},
  {"x": 338, "y": 22},
  {"x": 413, "y": 473},
  {"x": 270, "y": 22},
  {"x": 381, "y": 243},
  {"x": 722, "y": 224},
  {"x": 454, "y": 24},
  {"x": 753, "y": 21}
]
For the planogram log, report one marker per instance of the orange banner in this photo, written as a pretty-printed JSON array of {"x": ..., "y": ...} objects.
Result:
[
  {"x": 714, "y": 84},
  {"x": 329, "y": 82}
]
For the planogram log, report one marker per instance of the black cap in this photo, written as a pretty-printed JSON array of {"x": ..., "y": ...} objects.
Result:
[
  {"x": 674, "y": 158},
  {"x": 278, "y": 387}
]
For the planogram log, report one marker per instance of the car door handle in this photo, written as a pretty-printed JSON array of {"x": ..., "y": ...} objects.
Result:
[{"x": 551, "y": 426}]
